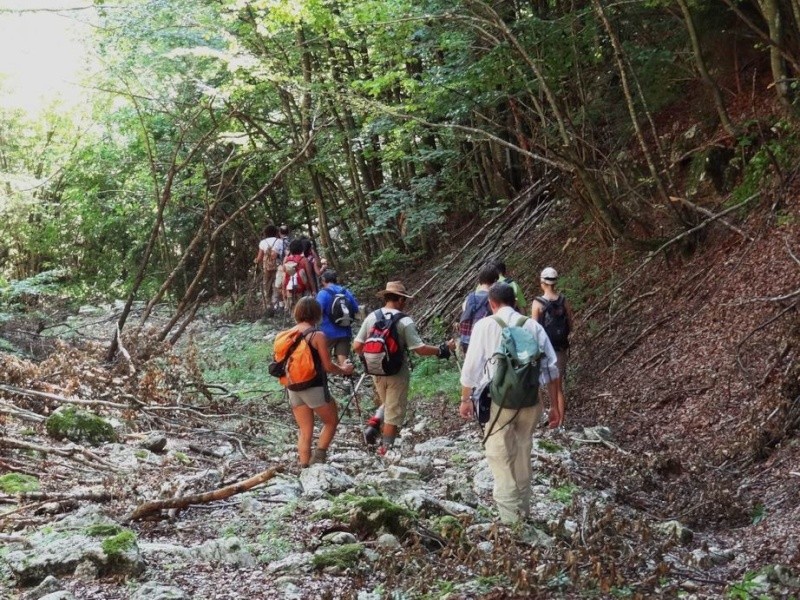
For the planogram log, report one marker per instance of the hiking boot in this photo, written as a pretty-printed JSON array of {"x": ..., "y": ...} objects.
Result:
[
  {"x": 372, "y": 431},
  {"x": 389, "y": 454},
  {"x": 319, "y": 457}
]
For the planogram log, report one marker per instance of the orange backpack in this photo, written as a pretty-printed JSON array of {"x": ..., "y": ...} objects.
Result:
[{"x": 302, "y": 364}]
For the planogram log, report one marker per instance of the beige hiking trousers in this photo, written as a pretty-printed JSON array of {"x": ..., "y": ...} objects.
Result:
[{"x": 508, "y": 451}]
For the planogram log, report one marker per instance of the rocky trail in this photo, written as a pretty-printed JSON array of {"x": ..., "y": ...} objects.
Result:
[
  {"x": 677, "y": 475},
  {"x": 418, "y": 525}
]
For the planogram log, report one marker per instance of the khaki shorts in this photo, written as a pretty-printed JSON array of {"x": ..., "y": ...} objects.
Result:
[
  {"x": 393, "y": 392},
  {"x": 340, "y": 346},
  {"x": 314, "y": 397},
  {"x": 279, "y": 278}
]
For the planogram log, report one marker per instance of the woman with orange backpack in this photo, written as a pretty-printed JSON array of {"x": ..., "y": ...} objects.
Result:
[{"x": 302, "y": 360}]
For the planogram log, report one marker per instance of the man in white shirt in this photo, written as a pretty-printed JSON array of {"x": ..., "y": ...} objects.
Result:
[
  {"x": 509, "y": 436},
  {"x": 270, "y": 251}
]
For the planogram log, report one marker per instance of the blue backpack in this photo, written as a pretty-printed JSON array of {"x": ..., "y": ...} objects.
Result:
[{"x": 476, "y": 307}]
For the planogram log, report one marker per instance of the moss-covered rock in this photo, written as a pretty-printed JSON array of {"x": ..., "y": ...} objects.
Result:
[
  {"x": 341, "y": 557},
  {"x": 103, "y": 530},
  {"x": 120, "y": 543},
  {"x": 368, "y": 515},
  {"x": 16, "y": 483},
  {"x": 79, "y": 425}
]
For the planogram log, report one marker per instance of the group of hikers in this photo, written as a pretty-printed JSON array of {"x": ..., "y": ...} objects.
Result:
[
  {"x": 507, "y": 358},
  {"x": 291, "y": 268}
]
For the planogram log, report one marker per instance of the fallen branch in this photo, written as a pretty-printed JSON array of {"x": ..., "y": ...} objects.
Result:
[
  {"x": 708, "y": 213},
  {"x": 59, "y": 497},
  {"x": 63, "y": 400},
  {"x": 14, "y": 539},
  {"x": 20, "y": 413},
  {"x": 78, "y": 454},
  {"x": 155, "y": 506},
  {"x": 126, "y": 355},
  {"x": 789, "y": 250}
]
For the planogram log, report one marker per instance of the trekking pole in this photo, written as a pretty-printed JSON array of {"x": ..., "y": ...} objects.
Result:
[
  {"x": 349, "y": 400},
  {"x": 354, "y": 392}
]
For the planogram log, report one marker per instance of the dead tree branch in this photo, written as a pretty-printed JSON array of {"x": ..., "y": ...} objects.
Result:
[{"x": 155, "y": 506}]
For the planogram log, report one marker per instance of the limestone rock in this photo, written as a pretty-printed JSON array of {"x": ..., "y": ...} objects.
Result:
[
  {"x": 298, "y": 562},
  {"x": 60, "y": 595},
  {"x": 435, "y": 446},
  {"x": 49, "y": 585},
  {"x": 282, "y": 489},
  {"x": 339, "y": 537},
  {"x": 88, "y": 539},
  {"x": 677, "y": 530},
  {"x": 155, "y": 442},
  {"x": 483, "y": 482},
  {"x": 388, "y": 541},
  {"x": 152, "y": 590},
  {"x": 322, "y": 479}
]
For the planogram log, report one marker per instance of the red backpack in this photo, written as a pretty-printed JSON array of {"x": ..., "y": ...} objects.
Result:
[
  {"x": 296, "y": 278},
  {"x": 383, "y": 353}
]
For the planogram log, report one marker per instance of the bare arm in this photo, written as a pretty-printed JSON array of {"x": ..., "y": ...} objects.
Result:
[
  {"x": 536, "y": 310},
  {"x": 320, "y": 343}
]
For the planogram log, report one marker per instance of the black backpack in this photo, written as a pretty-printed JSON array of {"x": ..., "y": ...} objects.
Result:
[
  {"x": 342, "y": 313},
  {"x": 555, "y": 322}
]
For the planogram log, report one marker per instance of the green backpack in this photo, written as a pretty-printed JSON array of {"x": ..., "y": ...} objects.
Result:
[{"x": 516, "y": 380}]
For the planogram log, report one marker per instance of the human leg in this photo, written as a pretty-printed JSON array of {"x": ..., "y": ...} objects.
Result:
[
  {"x": 393, "y": 391},
  {"x": 329, "y": 416},
  {"x": 304, "y": 417},
  {"x": 501, "y": 451},
  {"x": 524, "y": 425},
  {"x": 557, "y": 404}
]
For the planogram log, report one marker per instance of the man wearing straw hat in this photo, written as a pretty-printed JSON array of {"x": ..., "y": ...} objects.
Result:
[{"x": 393, "y": 389}]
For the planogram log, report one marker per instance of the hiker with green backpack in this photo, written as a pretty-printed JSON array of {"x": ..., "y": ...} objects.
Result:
[{"x": 511, "y": 355}]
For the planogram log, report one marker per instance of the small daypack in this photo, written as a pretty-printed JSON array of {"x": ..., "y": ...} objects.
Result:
[
  {"x": 341, "y": 313},
  {"x": 481, "y": 404},
  {"x": 515, "y": 383},
  {"x": 477, "y": 307},
  {"x": 383, "y": 353},
  {"x": 555, "y": 322},
  {"x": 295, "y": 361}
]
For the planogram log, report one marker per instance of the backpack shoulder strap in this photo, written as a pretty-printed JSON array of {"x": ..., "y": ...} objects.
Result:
[
  {"x": 543, "y": 301},
  {"x": 500, "y": 321},
  {"x": 294, "y": 346},
  {"x": 521, "y": 321}
]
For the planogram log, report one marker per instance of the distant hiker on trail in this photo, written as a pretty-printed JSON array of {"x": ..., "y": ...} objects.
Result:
[
  {"x": 295, "y": 278},
  {"x": 304, "y": 350},
  {"x": 312, "y": 264},
  {"x": 270, "y": 254},
  {"x": 504, "y": 278},
  {"x": 383, "y": 341},
  {"x": 552, "y": 311},
  {"x": 476, "y": 304},
  {"x": 509, "y": 433},
  {"x": 339, "y": 309},
  {"x": 279, "y": 293}
]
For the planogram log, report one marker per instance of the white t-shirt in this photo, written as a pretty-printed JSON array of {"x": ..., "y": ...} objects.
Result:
[{"x": 267, "y": 245}]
